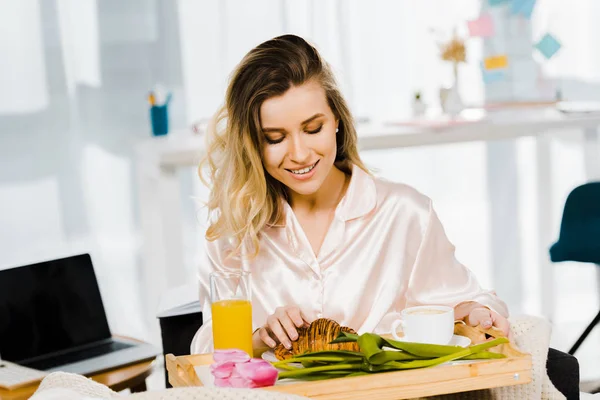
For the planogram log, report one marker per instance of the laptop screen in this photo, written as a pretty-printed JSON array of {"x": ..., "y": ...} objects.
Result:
[{"x": 48, "y": 307}]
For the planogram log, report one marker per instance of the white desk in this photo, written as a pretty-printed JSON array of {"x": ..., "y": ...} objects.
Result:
[{"x": 160, "y": 202}]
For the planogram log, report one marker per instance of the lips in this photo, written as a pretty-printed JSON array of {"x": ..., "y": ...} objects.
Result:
[
  {"x": 305, "y": 173},
  {"x": 303, "y": 170}
]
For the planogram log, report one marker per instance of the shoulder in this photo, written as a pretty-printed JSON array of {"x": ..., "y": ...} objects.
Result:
[
  {"x": 399, "y": 201},
  {"x": 401, "y": 194},
  {"x": 222, "y": 252}
]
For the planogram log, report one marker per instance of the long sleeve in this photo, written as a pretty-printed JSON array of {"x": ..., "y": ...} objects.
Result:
[{"x": 438, "y": 278}]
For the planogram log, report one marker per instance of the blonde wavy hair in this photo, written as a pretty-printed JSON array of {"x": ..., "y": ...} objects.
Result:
[{"x": 244, "y": 198}]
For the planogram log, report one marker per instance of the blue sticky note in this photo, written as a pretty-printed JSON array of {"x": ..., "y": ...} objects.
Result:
[
  {"x": 496, "y": 3},
  {"x": 522, "y": 7},
  {"x": 548, "y": 46},
  {"x": 491, "y": 76}
]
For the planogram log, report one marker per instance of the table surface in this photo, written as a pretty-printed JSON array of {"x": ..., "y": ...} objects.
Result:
[
  {"x": 181, "y": 148},
  {"x": 117, "y": 379}
]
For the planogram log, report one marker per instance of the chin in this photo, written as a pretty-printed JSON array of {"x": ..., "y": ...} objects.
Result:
[{"x": 305, "y": 189}]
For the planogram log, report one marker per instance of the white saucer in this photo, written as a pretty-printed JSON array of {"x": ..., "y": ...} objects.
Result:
[{"x": 457, "y": 340}]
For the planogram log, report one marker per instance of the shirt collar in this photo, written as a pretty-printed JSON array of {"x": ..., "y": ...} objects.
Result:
[{"x": 359, "y": 200}]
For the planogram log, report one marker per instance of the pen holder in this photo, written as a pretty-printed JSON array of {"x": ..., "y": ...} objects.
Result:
[{"x": 159, "y": 118}]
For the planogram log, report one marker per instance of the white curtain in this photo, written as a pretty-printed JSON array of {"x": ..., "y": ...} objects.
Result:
[
  {"x": 382, "y": 51},
  {"x": 74, "y": 76},
  {"x": 23, "y": 68}
]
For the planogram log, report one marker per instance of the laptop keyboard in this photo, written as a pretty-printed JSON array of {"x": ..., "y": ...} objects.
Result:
[{"x": 75, "y": 356}]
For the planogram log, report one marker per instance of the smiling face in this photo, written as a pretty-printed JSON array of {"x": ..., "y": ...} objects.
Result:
[{"x": 300, "y": 138}]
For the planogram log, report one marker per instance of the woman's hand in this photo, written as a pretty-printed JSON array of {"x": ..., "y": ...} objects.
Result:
[
  {"x": 475, "y": 314},
  {"x": 281, "y": 327}
]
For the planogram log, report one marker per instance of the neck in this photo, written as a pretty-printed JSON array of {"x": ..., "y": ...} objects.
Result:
[{"x": 327, "y": 197}]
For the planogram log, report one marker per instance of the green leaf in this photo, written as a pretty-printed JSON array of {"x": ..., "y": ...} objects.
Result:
[
  {"x": 359, "y": 373},
  {"x": 352, "y": 337},
  {"x": 301, "y": 372},
  {"x": 333, "y": 353},
  {"x": 371, "y": 345},
  {"x": 390, "y": 355},
  {"x": 322, "y": 357},
  {"x": 318, "y": 376},
  {"x": 482, "y": 355},
  {"x": 422, "y": 349},
  {"x": 372, "y": 358},
  {"x": 487, "y": 345}
]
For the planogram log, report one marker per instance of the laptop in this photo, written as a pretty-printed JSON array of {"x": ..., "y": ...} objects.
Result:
[{"x": 52, "y": 319}]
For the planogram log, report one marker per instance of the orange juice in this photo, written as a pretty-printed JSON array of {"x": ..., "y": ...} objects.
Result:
[{"x": 232, "y": 325}]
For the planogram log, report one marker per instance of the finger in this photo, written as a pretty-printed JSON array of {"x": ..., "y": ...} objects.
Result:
[
  {"x": 289, "y": 327},
  {"x": 296, "y": 316},
  {"x": 266, "y": 338},
  {"x": 306, "y": 320},
  {"x": 480, "y": 316},
  {"x": 501, "y": 323},
  {"x": 279, "y": 332},
  {"x": 462, "y": 310}
]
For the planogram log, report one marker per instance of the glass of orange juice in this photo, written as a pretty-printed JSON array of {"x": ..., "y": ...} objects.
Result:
[{"x": 231, "y": 308}]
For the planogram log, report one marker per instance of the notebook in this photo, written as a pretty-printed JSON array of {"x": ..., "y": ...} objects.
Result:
[{"x": 52, "y": 319}]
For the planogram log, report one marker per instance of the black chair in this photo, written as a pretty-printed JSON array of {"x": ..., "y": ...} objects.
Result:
[
  {"x": 579, "y": 238},
  {"x": 176, "y": 334}
]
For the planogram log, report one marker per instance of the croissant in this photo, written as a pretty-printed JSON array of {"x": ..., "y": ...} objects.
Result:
[{"x": 316, "y": 337}]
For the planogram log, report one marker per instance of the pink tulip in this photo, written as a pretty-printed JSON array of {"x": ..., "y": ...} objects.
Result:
[
  {"x": 234, "y": 355},
  {"x": 234, "y": 368},
  {"x": 259, "y": 371},
  {"x": 222, "y": 370}
]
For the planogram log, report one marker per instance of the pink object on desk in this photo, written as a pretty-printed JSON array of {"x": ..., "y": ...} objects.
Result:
[{"x": 481, "y": 27}]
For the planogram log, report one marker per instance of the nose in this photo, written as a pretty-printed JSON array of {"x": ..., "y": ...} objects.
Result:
[{"x": 299, "y": 151}]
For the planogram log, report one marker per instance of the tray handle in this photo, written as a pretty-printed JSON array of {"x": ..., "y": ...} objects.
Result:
[{"x": 181, "y": 372}]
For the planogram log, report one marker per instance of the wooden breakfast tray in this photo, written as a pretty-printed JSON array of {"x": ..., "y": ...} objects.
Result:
[{"x": 515, "y": 369}]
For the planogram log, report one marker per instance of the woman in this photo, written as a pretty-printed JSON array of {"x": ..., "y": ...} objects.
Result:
[{"x": 293, "y": 203}]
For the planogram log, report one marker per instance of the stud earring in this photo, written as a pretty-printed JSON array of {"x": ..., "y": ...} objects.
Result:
[{"x": 337, "y": 130}]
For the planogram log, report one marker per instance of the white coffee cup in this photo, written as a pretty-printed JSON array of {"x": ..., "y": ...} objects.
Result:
[{"x": 425, "y": 324}]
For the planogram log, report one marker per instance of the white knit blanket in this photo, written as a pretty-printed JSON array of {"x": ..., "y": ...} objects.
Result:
[{"x": 531, "y": 335}]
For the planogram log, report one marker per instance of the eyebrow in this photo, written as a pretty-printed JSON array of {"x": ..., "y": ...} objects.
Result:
[{"x": 303, "y": 123}]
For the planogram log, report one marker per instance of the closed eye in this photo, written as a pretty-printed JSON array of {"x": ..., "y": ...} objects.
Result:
[
  {"x": 316, "y": 130},
  {"x": 280, "y": 139},
  {"x": 274, "y": 141}
]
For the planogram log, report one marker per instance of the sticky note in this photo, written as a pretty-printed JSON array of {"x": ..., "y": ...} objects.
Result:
[
  {"x": 496, "y": 3},
  {"x": 495, "y": 62},
  {"x": 492, "y": 76},
  {"x": 481, "y": 27},
  {"x": 522, "y": 7},
  {"x": 548, "y": 46}
]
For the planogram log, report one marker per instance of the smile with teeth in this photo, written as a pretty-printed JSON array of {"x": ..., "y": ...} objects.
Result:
[{"x": 303, "y": 170}]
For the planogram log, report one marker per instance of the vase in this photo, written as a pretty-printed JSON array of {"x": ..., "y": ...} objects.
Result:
[{"x": 450, "y": 100}]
